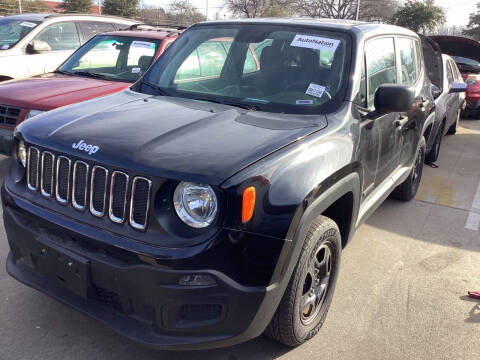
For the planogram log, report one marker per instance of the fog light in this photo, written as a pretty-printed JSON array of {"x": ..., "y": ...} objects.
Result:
[{"x": 197, "y": 280}]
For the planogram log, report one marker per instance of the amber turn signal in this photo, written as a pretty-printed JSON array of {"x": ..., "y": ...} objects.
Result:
[{"x": 248, "y": 203}]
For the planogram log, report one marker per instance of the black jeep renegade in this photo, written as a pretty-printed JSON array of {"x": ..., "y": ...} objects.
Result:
[{"x": 210, "y": 202}]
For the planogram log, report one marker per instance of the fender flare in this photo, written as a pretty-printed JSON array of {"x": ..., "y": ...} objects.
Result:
[{"x": 349, "y": 183}]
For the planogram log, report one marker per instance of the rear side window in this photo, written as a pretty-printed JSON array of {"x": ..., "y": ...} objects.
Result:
[
  {"x": 418, "y": 55},
  {"x": 406, "y": 49},
  {"x": 380, "y": 60},
  {"x": 91, "y": 28},
  {"x": 449, "y": 74},
  {"x": 60, "y": 36}
]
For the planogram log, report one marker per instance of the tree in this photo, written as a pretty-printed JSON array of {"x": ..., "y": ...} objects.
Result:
[
  {"x": 260, "y": 8},
  {"x": 8, "y": 7},
  {"x": 181, "y": 12},
  {"x": 78, "y": 6},
  {"x": 369, "y": 10},
  {"x": 419, "y": 16},
  {"x": 153, "y": 15},
  {"x": 125, "y": 8},
  {"x": 474, "y": 25}
]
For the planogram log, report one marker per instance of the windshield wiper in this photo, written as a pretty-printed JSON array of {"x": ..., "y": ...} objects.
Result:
[
  {"x": 63, "y": 72},
  {"x": 91, "y": 74},
  {"x": 158, "y": 89},
  {"x": 241, "y": 105}
]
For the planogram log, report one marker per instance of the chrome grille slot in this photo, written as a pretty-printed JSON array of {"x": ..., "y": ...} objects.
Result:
[
  {"x": 47, "y": 171},
  {"x": 98, "y": 190},
  {"x": 118, "y": 196},
  {"x": 33, "y": 168},
  {"x": 139, "y": 202},
  {"x": 9, "y": 115},
  {"x": 62, "y": 186},
  {"x": 80, "y": 184}
]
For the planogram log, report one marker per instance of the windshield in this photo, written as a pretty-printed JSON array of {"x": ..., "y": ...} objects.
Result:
[
  {"x": 263, "y": 67},
  {"x": 466, "y": 61},
  {"x": 116, "y": 58},
  {"x": 12, "y": 31}
]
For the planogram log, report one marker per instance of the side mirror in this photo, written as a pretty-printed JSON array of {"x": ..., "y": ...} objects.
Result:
[
  {"x": 458, "y": 87},
  {"x": 37, "y": 47},
  {"x": 436, "y": 91},
  {"x": 393, "y": 98}
]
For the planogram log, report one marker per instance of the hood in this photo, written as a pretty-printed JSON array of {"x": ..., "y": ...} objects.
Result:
[
  {"x": 172, "y": 138},
  {"x": 53, "y": 90},
  {"x": 458, "y": 46}
]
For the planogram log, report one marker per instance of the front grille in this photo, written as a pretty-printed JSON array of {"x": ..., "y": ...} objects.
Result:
[
  {"x": 9, "y": 115},
  {"x": 73, "y": 183}
]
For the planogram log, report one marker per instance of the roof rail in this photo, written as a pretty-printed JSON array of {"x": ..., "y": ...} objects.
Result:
[{"x": 171, "y": 29}]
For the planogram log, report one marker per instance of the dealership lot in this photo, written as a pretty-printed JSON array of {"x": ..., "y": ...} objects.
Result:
[{"x": 401, "y": 292}]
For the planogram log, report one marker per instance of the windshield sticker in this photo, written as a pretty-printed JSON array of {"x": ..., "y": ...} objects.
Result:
[
  {"x": 28, "y": 24},
  {"x": 315, "y": 42},
  {"x": 304, "y": 102},
  {"x": 315, "y": 90},
  {"x": 5, "y": 47},
  {"x": 143, "y": 45},
  {"x": 136, "y": 70},
  {"x": 259, "y": 101}
]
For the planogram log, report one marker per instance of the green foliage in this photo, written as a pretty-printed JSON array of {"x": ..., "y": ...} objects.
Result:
[
  {"x": 473, "y": 26},
  {"x": 8, "y": 7},
  {"x": 125, "y": 8},
  {"x": 77, "y": 6},
  {"x": 419, "y": 16}
]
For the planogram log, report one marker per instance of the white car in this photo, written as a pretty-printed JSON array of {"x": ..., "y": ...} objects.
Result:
[{"x": 33, "y": 44}]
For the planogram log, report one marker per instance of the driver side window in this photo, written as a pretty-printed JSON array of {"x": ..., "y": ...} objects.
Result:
[
  {"x": 381, "y": 67},
  {"x": 60, "y": 36}
]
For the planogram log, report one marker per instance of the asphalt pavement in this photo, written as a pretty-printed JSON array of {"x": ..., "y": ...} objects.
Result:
[{"x": 400, "y": 293}]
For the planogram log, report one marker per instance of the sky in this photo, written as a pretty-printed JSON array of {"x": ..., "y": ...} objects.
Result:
[{"x": 457, "y": 11}]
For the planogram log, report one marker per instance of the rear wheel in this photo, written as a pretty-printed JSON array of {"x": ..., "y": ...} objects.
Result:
[
  {"x": 453, "y": 129},
  {"x": 307, "y": 298},
  {"x": 432, "y": 155},
  {"x": 407, "y": 190}
]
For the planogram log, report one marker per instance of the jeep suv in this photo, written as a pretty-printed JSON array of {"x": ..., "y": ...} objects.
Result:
[{"x": 211, "y": 201}]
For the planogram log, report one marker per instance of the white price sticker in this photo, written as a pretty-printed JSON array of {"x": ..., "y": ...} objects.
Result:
[
  {"x": 136, "y": 70},
  {"x": 315, "y": 90},
  {"x": 143, "y": 44},
  {"x": 315, "y": 42},
  {"x": 5, "y": 47},
  {"x": 28, "y": 24}
]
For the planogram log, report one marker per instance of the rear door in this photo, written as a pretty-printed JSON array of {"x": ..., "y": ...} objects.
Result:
[{"x": 452, "y": 99}]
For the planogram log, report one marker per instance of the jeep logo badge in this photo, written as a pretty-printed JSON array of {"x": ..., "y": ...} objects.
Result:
[{"x": 81, "y": 145}]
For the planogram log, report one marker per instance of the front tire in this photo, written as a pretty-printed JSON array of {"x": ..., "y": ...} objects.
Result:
[
  {"x": 407, "y": 190},
  {"x": 432, "y": 155},
  {"x": 306, "y": 300}
]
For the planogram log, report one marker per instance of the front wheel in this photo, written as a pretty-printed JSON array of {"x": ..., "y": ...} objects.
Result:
[
  {"x": 407, "y": 190},
  {"x": 306, "y": 300},
  {"x": 432, "y": 155}
]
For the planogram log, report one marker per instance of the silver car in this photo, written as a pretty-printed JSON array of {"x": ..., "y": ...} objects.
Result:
[{"x": 33, "y": 44}]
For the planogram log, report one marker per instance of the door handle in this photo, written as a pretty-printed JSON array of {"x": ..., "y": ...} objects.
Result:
[{"x": 401, "y": 121}]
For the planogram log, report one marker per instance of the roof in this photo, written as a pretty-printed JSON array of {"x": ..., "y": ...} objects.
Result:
[
  {"x": 27, "y": 16},
  {"x": 334, "y": 24},
  {"x": 141, "y": 34},
  {"x": 44, "y": 16}
]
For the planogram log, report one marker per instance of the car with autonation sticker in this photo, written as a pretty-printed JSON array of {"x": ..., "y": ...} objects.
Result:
[
  {"x": 209, "y": 203},
  {"x": 108, "y": 63}
]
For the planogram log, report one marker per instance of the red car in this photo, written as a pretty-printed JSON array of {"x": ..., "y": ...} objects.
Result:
[
  {"x": 108, "y": 63},
  {"x": 466, "y": 53}
]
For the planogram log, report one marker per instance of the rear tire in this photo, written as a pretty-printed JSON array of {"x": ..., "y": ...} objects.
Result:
[
  {"x": 306, "y": 300},
  {"x": 432, "y": 155},
  {"x": 453, "y": 129},
  {"x": 407, "y": 190}
]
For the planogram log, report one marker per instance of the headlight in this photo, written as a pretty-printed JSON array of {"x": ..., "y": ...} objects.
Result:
[
  {"x": 32, "y": 113},
  {"x": 195, "y": 204},
  {"x": 22, "y": 153}
]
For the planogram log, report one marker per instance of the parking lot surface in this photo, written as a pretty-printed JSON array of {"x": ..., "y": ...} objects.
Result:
[{"x": 400, "y": 293}]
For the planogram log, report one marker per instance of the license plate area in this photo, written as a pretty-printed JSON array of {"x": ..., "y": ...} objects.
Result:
[{"x": 68, "y": 269}]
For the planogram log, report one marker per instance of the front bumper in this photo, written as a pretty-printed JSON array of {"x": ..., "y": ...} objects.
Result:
[
  {"x": 143, "y": 301},
  {"x": 6, "y": 142}
]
